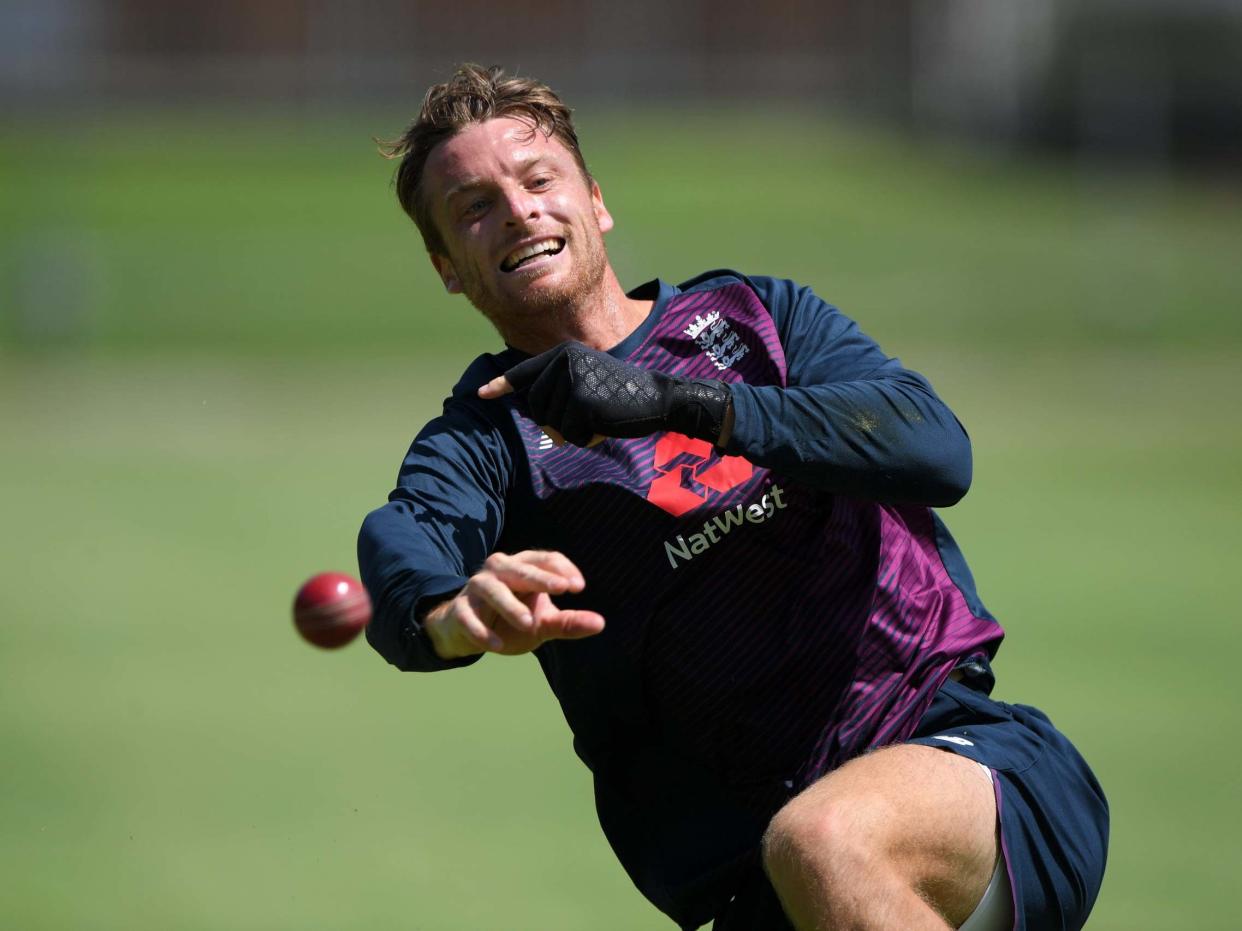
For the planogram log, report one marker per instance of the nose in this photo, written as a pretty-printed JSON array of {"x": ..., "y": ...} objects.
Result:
[{"x": 523, "y": 205}]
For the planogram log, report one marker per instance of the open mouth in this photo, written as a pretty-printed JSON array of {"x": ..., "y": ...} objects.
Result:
[{"x": 529, "y": 253}]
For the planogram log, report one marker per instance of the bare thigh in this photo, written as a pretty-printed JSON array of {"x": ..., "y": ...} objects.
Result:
[{"x": 929, "y": 816}]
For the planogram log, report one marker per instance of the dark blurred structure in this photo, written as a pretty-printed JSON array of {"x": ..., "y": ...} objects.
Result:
[{"x": 1150, "y": 79}]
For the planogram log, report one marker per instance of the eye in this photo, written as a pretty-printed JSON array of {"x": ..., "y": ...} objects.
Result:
[
  {"x": 542, "y": 181},
  {"x": 475, "y": 207}
]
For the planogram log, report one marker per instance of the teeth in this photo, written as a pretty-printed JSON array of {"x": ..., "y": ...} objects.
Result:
[{"x": 514, "y": 258}]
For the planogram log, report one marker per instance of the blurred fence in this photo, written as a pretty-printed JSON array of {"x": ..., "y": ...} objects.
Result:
[
  {"x": 201, "y": 176},
  {"x": 1156, "y": 79}
]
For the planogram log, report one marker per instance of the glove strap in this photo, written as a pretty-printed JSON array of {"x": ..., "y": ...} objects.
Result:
[{"x": 698, "y": 408}]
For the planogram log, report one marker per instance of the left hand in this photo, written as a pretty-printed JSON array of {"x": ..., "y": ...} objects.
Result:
[
  {"x": 506, "y": 607},
  {"x": 583, "y": 394}
]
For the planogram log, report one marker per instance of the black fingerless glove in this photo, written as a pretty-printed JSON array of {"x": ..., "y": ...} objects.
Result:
[{"x": 581, "y": 392}]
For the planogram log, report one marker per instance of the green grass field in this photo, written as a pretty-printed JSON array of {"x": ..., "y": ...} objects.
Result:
[{"x": 217, "y": 338}]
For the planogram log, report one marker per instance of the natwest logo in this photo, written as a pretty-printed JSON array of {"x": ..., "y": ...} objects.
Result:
[
  {"x": 684, "y": 547},
  {"x": 689, "y": 471}
]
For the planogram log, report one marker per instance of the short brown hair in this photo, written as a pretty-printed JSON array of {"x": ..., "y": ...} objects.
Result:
[{"x": 472, "y": 95}]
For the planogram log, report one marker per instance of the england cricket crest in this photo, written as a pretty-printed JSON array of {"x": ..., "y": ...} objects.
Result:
[{"x": 716, "y": 338}]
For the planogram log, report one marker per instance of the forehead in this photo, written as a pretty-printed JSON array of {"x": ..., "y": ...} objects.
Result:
[{"x": 485, "y": 150}]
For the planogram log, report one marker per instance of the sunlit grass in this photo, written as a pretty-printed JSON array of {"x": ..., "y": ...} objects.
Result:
[{"x": 217, "y": 339}]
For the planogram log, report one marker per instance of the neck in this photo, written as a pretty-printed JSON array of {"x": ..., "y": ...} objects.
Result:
[{"x": 599, "y": 320}]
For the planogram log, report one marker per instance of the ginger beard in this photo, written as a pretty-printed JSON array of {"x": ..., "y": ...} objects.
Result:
[{"x": 524, "y": 306}]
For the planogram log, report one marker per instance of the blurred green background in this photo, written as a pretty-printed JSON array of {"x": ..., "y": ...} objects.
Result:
[{"x": 219, "y": 334}]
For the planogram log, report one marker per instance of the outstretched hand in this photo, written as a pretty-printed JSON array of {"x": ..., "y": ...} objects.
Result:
[{"x": 506, "y": 607}]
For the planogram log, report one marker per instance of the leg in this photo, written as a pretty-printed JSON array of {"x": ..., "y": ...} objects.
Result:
[{"x": 904, "y": 837}]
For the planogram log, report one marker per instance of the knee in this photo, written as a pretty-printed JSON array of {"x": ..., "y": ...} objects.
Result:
[{"x": 821, "y": 840}]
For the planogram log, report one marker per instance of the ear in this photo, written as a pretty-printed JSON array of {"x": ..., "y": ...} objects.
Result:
[
  {"x": 602, "y": 216},
  {"x": 444, "y": 268}
]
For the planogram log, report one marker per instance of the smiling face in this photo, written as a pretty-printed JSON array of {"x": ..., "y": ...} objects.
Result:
[{"x": 522, "y": 226}]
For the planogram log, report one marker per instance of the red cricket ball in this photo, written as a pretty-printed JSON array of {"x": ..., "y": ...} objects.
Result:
[{"x": 331, "y": 609}]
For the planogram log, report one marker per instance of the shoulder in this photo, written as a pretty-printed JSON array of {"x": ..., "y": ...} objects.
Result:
[
  {"x": 471, "y": 438},
  {"x": 779, "y": 295},
  {"x": 465, "y": 418},
  {"x": 482, "y": 370},
  {"x": 711, "y": 280},
  {"x": 464, "y": 401},
  {"x": 807, "y": 326}
]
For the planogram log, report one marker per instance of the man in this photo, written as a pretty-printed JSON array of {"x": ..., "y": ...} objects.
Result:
[{"x": 707, "y": 510}]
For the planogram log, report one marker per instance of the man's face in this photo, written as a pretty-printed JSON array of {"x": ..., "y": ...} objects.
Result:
[{"x": 522, "y": 226}]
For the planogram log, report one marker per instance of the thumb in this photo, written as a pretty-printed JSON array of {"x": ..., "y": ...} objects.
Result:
[
  {"x": 498, "y": 387},
  {"x": 521, "y": 376},
  {"x": 570, "y": 625}
]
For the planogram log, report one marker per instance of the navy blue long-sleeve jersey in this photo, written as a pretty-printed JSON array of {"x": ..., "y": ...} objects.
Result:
[{"x": 773, "y": 608}]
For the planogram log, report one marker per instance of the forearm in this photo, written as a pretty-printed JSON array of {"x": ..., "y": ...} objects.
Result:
[
  {"x": 401, "y": 589},
  {"x": 888, "y": 439},
  {"x": 400, "y": 632},
  {"x": 438, "y": 526},
  {"x": 850, "y": 420}
]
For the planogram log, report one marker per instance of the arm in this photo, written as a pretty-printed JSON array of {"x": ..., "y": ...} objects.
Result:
[
  {"x": 440, "y": 523},
  {"x": 441, "y": 596},
  {"x": 851, "y": 420}
]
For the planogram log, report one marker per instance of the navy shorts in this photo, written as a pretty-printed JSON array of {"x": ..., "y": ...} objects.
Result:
[{"x": 1054, "y": 817}]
